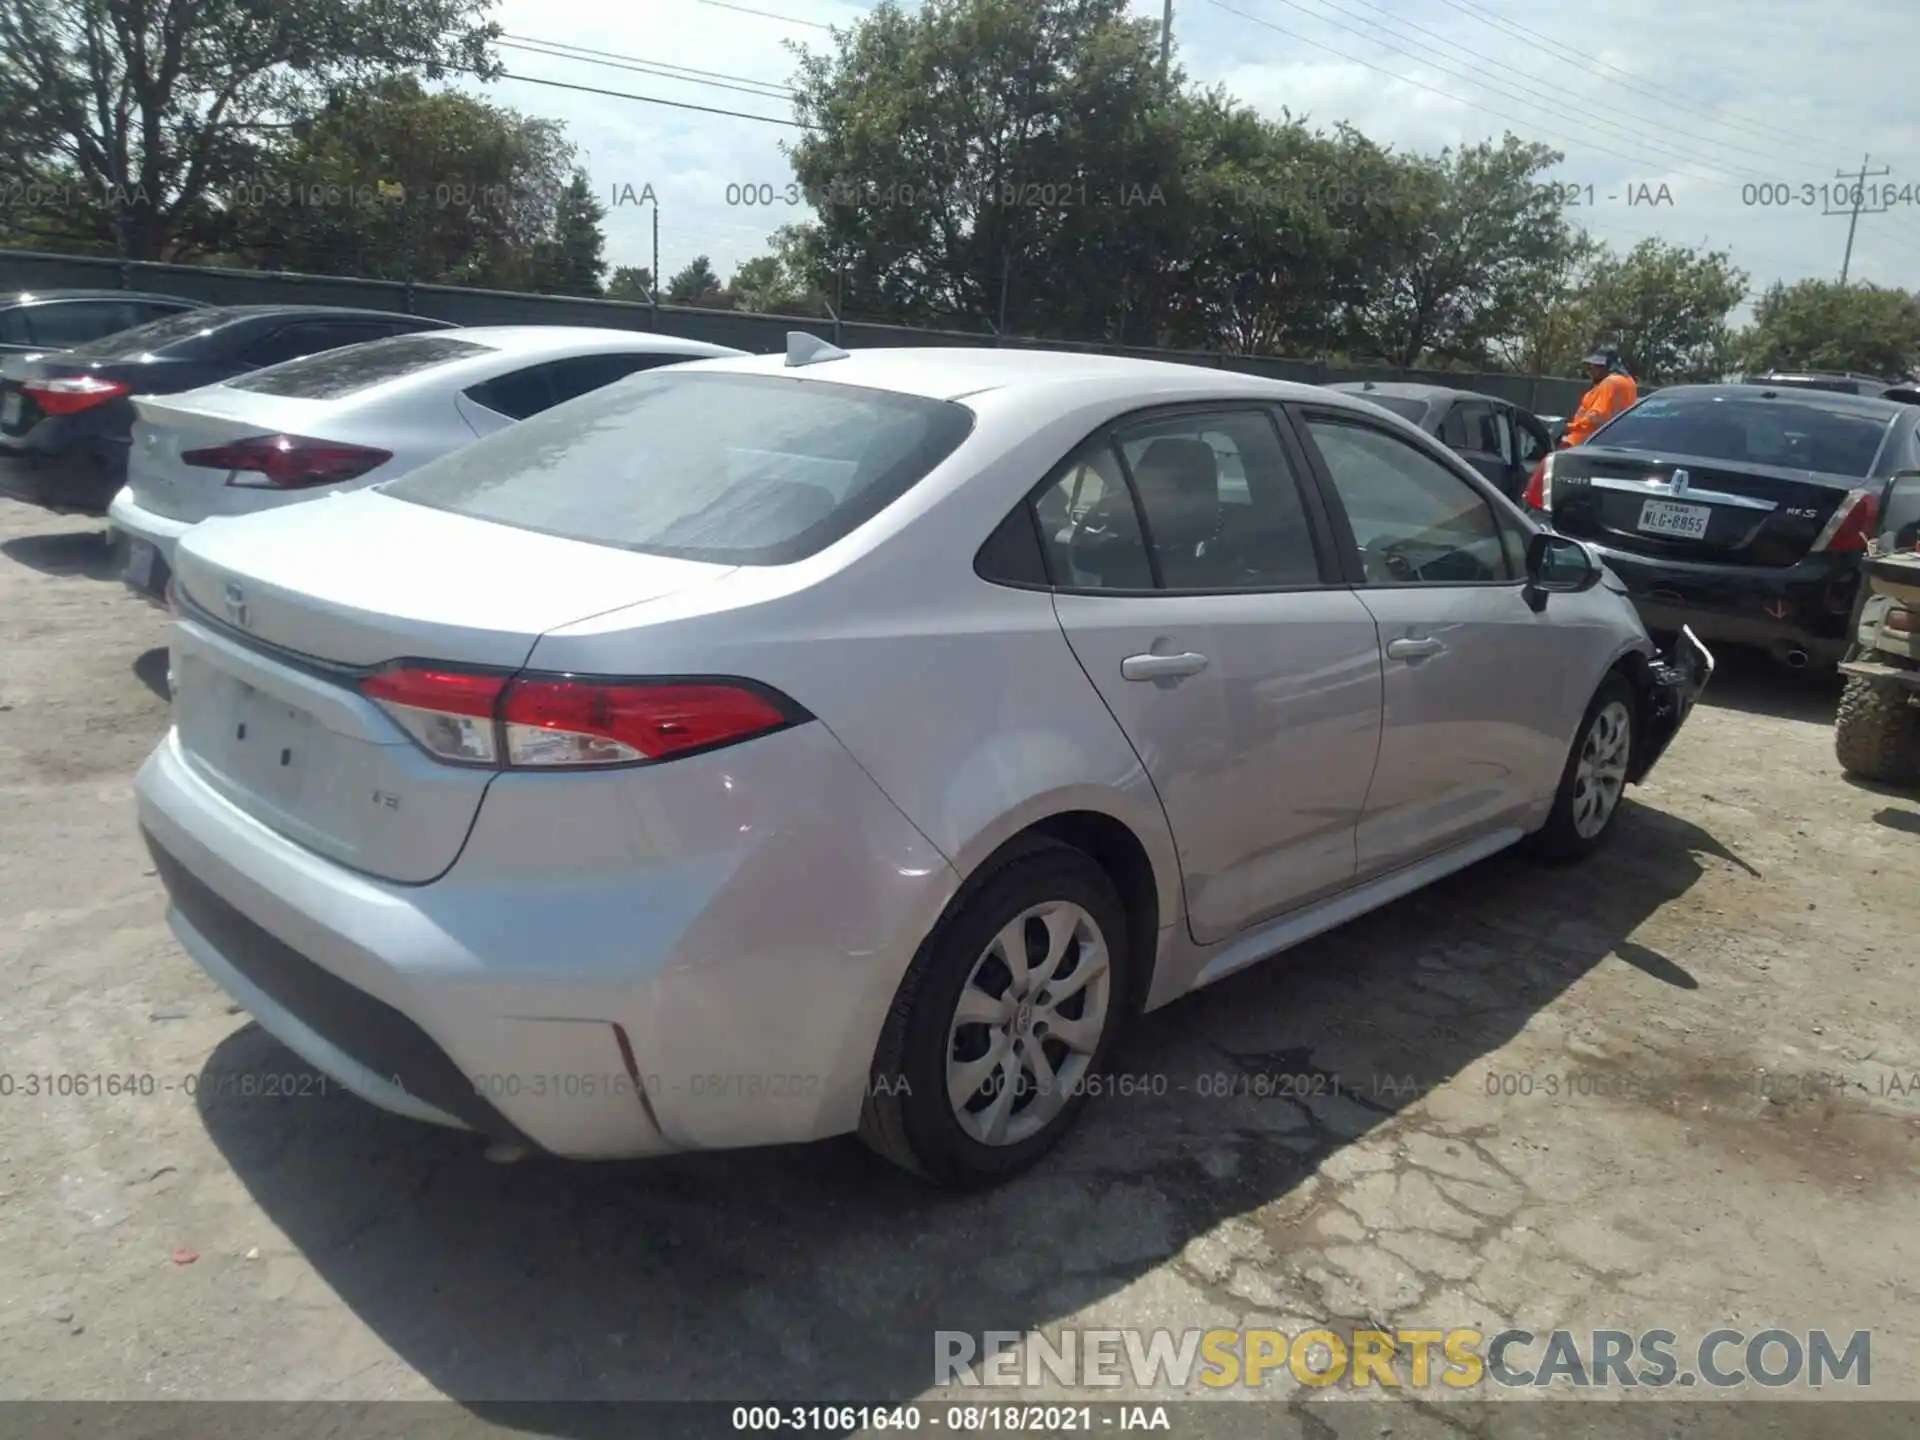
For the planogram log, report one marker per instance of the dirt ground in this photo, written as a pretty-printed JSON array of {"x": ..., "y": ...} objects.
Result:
[{"x": 1548, "y": 1116}]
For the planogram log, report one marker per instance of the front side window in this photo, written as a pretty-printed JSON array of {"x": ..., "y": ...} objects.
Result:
[
  {"x": 729, "y": 468},
  {"x": 1414, "y": 521}
]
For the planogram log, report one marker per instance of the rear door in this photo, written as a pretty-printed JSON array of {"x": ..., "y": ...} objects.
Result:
[
  {"x": 1474, "y": 680},
  {"x": 1246, "y": 680},
  {"x": 1472, "y": 432}
]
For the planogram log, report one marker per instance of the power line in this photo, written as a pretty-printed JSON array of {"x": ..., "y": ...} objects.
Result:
[
  {"x": 640, "y": 66},
  {"x": 1469, "y": 50},
  {"x": 1660, "y": 152},
  {"x": 766, "y": 14},
  {"x": 777, "y": 85},
  {"x": 625, "y": 95},
  {"x": 1629, "y": 81},
  {"x": 1436, "y": 90}
]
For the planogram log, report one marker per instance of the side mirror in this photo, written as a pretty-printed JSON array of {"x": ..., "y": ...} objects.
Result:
[{"x": 1559, "y": 566}]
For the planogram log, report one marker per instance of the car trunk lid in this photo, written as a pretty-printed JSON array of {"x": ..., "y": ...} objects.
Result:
[
  {"x": 283, "y": 614},
  {"x": 1692, "y": 509},
  {"x": 164, "y": 431}
]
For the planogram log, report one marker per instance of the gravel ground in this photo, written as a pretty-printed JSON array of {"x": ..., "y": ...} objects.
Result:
[{"x": 1546, "y": 1116}]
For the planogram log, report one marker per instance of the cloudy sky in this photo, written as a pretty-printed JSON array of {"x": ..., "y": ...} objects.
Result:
[{"x": 1712, "y": 99}]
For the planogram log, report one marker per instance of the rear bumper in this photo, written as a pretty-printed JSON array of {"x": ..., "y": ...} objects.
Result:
[
  {"x": 603, "y": 979},
  {"x": 75, "y": 479},
  {"x": 146, "y": 576},
  {"x": 1807, "y": 607}
]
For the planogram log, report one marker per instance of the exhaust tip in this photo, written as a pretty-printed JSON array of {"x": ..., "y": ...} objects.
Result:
[{"x": 1796, "y": 659}]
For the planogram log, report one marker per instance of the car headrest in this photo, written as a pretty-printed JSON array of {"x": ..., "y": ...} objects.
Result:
[{"x": 1178, "y": 469}]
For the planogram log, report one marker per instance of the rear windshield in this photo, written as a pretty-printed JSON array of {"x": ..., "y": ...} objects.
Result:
[
  {"x": 1398, "y": 404},
  {"x": 334, "y": 374},
  {"x": 728, "y": 468},
  {"x": 1751, "y": 432},
  {"x": 168, "y": 330}
]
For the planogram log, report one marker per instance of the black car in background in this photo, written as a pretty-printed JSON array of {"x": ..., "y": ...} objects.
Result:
[
  {"x": 32, "y": 320},
  {"x": 66, "y": 419},
  {"x": 1838, "y": 382},
  {"x": 1499, "y": 439},
  {"x": 1740, "y": 510}
]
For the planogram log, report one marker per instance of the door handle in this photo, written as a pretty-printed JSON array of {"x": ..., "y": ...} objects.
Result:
[
  {"x": 1162, "y": 667},
  {"x": 1413, "y": 649}
]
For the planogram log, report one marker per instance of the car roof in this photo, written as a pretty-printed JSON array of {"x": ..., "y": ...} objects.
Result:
[
  {"x": 41, "y": 297},
  {"x": 232, "y": 313},
  {"x": 955, "y": 372},
  {"x": 533, "y": 339},
  {"x": 1837, "y": 400},
  {"x": 1404, "y": 390}
]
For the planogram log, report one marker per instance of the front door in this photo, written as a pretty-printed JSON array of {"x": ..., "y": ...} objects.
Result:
[
  {"x": 1474, "y": 678},
  {"x": 1248, "y": 685}
]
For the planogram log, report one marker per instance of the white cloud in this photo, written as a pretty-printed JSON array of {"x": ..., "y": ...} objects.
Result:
[{"x": 1707, "y": 97}]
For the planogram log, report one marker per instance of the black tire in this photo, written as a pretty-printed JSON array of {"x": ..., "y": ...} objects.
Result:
[
  {"x": 1560, "y": 840},
  {"x": 1876, "y": 734},
  {"x": 907, "y": 1117}
]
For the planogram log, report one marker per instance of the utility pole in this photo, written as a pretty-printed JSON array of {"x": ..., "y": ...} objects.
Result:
[
  {"x": 1853, "y": 213},
  {"x": 1166, "y": 37}
]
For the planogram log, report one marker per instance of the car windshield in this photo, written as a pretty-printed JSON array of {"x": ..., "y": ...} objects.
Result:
[
  {"x": 168, "y": 330},
  {"x": 729, "y": 468},
  {"x": 335, "y": 374},
  {"x": 1751, "y": 432}
]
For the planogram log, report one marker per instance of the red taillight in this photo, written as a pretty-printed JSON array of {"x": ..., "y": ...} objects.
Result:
[
  {"x": 1851, "y": 524},
  {"x": 1539, "y": 491},
  {"x": 288, "y": 462},
  {"x": 542, "y": 723},
  {"x": 71, "y": 394},
  {"x": 1536, "y": 493}
]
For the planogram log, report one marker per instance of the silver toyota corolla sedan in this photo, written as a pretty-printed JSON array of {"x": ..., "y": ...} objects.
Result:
[{"x": 771, "y": 748}]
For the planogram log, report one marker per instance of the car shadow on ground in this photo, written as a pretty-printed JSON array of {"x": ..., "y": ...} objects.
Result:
[
  {"x": 819, "y": 1272},
  {"x": 150, "y": 669},
  {"x": 1757, "y": 684},
  {"x": 71, "y": 552}
]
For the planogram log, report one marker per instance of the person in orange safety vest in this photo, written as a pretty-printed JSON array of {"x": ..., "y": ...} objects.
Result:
[{"x": 1613, "y": 391}]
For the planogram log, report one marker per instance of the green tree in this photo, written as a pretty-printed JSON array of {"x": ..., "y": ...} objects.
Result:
[
  {"x": 394, "y": 182},
  {"x": 694, "y": 282},
  {"x": 572, "y": 262},
  {"x": 762, "y": 284},
  {"x": 1821, "y": 325},
  {"x": 156, "y": 109},
  {"x": 1666, "y": 307},
  {"x": 1472, "y": 232},
  {"x": 974, "y": 152},
  {"x": 630, "y": 282}
]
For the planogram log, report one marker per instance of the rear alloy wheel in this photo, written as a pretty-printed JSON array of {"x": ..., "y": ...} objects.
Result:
[
  {"x": 1001, "y": 1022},
  {"x": 1595, "y": 777},
  {"x": 1876, "y": 733}
]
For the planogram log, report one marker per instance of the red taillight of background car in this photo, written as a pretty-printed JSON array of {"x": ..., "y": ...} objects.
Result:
[
  {"x": 1851, "y": 524},
  {"x": 568, "y": 722},
  {"x": 287, "y": 462},
  {"x": 70, "y": 394},
  {"x": 1539, "y": 491}
]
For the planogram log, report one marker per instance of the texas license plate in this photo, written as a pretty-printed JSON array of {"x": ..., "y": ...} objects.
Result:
[
  {"x": 1664, "y": 517},
  {"x": 139, "y": 564},
  {"x": 10, "y": 409}
]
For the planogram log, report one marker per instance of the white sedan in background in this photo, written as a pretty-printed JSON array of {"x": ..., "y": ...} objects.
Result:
[{"x": 349, "y": 418}]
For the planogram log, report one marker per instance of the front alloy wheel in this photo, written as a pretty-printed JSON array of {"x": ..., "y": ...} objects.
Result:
[{"x": 1601, "y": 773}]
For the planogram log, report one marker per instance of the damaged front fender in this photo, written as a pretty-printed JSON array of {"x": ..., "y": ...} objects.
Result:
[{"x": 1669, "y": 685}]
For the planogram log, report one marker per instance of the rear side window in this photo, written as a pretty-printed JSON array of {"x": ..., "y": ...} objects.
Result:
[
  {"x": 1751, "y": 432},
  {"x": 728, "y": 468},
  {"x": 335, "y": 374},
  {"x": 155, "y": 335},
  {"x": 554, "y": 382}
]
